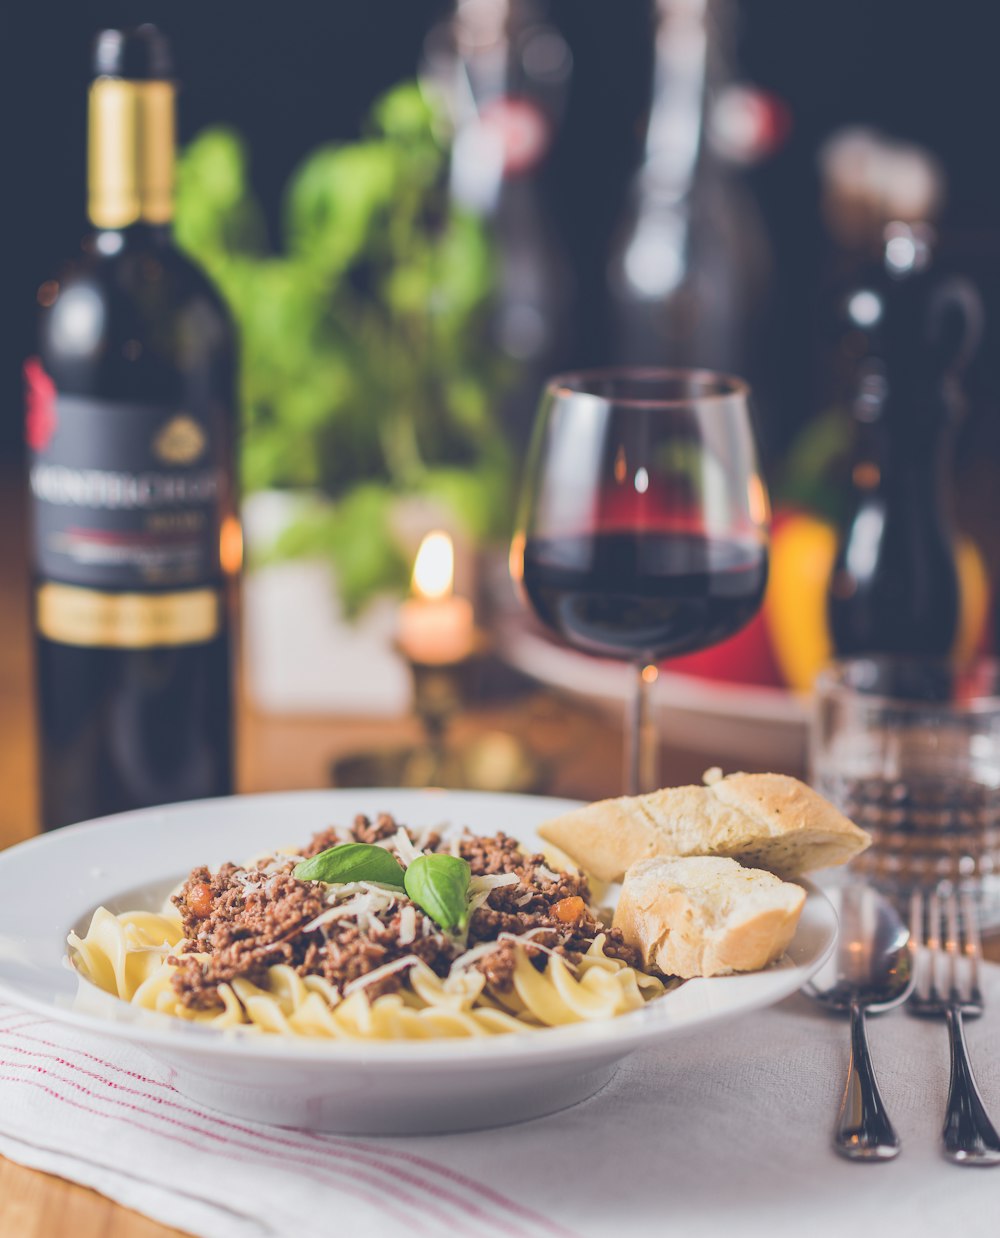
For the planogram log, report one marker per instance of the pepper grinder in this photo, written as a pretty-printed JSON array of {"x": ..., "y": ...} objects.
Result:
[{"x": 895, "y": 585}]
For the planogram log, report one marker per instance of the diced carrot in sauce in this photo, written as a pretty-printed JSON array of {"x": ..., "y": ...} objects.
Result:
[
  {"x": 569, "y": 909},
  {"x": 199, "y": 900}
]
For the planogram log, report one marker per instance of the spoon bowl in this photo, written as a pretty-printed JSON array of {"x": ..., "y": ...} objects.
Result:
[{"x": 873, "y": 962}]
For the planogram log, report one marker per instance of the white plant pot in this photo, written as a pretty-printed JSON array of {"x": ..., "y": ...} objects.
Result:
[{"x": 301, "y": 656}]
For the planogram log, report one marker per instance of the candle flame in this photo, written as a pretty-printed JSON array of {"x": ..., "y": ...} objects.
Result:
[{"x": 434, "y": 567}]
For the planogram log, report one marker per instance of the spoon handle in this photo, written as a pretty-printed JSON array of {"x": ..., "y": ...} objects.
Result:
[{"x": 864, "y": 1132}]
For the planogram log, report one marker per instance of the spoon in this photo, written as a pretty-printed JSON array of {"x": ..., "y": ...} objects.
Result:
[{"x": 870, "y": 971}]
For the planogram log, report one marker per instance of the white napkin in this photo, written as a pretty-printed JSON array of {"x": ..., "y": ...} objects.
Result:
[{"x": 725, "y": 1134}]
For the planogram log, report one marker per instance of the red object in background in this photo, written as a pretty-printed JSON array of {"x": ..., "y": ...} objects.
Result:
[
  {"x": 746, "y": 658},
  {"x": 747, "y": 124},
  {"x": 40, "y": 416},
  {"x": 524, "y": 133}
]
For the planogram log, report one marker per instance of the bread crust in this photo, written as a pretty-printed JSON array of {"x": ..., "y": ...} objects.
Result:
[
  {"x": 769, "y": 821},
  {"x": 676, "y": 918},
  {"x": 604, "y": 838}
]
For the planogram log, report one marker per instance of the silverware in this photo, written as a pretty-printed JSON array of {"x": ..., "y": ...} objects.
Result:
[
  {"x": 870, "y": 971},
  {"x": 947, "y": 987}
]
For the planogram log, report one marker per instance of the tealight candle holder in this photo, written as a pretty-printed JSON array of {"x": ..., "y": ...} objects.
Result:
[{"x": 438, "y": 638}]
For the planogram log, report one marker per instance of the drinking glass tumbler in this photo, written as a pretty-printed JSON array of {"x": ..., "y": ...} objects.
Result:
[{"x": 910, "y": 750}]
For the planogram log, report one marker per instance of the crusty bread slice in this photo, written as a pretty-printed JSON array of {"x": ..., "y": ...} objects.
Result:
[
  {"x": 767, "y": 820},
  {"x": 706, "y": 916}
]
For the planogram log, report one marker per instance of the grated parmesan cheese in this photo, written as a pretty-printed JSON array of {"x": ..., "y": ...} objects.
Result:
[
  {"x": 342, "y": 912},
  {"x": 407, "y": 925},
  {"x": 424, "y": 837},
  {"x": 477, "y": 952},
  {"x": 480, "y": 888},
  {"x": 478, "y": 900},
  {"x": 526, "y": 938},
  {"x": 387, "y": 969},
  {"x": 493, "y": 881},
  {"x": 363, "y": 901},
  {"x": 405, "y": 849}
]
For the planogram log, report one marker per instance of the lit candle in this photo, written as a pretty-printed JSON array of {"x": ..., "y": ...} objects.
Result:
[{"x": 435, "y": 626}]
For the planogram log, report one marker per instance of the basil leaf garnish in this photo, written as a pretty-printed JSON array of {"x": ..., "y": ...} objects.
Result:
[
  {"x": 439, "y": 885},
  {"x": 352, "y": 862}
]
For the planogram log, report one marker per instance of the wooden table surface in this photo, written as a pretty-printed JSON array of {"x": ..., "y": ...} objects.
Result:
[{"x": 581, "y": 746}]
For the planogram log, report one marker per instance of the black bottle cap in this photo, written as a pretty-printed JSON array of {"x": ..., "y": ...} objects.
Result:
[{"x": 140, "y": 53}]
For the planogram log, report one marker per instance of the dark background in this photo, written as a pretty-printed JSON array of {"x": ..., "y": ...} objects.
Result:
[{"x": 296, "y": 73}]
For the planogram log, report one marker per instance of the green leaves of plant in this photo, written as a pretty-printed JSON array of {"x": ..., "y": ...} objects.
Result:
[
  {"x": 366, "y": 374},
  {"x": 336, "y": 197},
  {"x": 352, "y": 862},
  {"x": 439, "y": 885}
]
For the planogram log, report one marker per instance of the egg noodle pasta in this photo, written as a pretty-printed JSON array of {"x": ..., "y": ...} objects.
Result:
[{"x": 480, "y": 980}]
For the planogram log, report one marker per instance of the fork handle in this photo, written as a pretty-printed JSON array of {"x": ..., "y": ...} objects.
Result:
[
  {"x": 864, "y": 1132},
  {"x": 970, "y": 1138}
]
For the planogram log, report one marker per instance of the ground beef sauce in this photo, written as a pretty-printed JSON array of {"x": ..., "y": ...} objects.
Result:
[{"x": 238, "y": 922}]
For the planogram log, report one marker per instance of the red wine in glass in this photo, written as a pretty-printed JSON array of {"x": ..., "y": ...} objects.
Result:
[
  {"x": 641, "y": 594},
  {"x": 643, "y": 525}
]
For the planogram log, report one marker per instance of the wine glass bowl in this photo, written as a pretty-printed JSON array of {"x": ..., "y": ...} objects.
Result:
[{"x": 642, "y": 531}]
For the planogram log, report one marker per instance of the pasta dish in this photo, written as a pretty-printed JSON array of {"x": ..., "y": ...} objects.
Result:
[{"x": 374, "y": 931}]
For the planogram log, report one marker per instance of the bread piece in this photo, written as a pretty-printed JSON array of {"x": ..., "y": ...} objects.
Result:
[
  {"x": 707, "y": 916},
  {"x": 766, "y": 820}
]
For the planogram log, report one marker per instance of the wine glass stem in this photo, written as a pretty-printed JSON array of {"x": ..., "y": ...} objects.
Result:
[{"x": 640, "y": 739}]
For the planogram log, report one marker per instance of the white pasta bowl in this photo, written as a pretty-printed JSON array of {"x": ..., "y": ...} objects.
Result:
[{"x": 54, "y": 883}]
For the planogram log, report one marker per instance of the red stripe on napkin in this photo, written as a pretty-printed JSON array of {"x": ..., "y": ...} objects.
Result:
[{"x": 372, "y": 1200}]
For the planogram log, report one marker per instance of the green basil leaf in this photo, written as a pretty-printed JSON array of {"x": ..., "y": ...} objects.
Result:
[
  {"x": 352, "y": 862},
  {"x": 439, "y": 885}
]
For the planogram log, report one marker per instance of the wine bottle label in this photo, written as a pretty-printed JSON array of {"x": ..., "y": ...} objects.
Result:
[
  {"x": 127, "y": 506},
  {"x": 90, "y": 618}
]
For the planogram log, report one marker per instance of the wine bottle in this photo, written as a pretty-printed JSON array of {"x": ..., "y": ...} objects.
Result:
[
  {"x": 130, "y": 429},
  {"x": 690, "y": 269},
  {"x": 894, "y": 588},
  {"x": 501, "y": 72}
]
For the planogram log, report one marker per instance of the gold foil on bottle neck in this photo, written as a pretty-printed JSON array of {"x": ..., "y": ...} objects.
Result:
[{"x": 130, "y": 152}]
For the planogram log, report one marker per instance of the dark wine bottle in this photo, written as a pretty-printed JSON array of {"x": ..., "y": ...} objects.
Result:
[
  {"x": 689, "y": 269},
  {"x": 894, "y": 588},
  {"x": 501, "y": 70},
  {"x": 130, "y": 428}
]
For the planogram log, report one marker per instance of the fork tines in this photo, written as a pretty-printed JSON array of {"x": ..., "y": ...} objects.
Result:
[{"x": 947, "y": 958}]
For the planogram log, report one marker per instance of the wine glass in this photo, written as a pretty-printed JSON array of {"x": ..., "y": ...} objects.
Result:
[{"x": 643, "y": 525}]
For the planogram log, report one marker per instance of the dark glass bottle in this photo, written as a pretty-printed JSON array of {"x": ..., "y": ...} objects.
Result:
[
  {"x": 130, "y": 427},
  {"x": 689, "y": 271},
  {"x": 501, "y": 71},
  {"x": 895, "y": 587}
]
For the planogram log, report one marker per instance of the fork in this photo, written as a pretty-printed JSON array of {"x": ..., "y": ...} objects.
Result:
[{"x": 947, "y": 986}]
